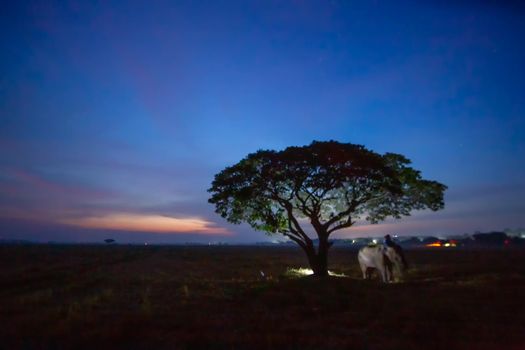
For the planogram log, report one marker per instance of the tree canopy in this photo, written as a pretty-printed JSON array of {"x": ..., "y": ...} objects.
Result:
[{"x": 328, "y": 185}]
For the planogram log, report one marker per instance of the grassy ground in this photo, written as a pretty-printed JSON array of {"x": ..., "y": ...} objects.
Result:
[{"x": 216, "y": 298}]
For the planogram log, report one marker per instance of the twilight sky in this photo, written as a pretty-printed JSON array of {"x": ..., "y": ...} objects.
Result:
[{"x": 115, "y": 115}]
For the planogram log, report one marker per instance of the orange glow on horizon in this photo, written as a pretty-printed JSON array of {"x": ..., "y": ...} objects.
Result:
[
  {"x": 451, "y": 243},
  {"x": 148, "y": 223}
]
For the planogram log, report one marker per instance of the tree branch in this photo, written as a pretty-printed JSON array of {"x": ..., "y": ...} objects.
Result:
[
  {"x": 293, "y": 221},
  {"x": 304, "y": 207},
  {"x": 345, "y": 224},
  {"x": 293, "y": 224},
  {"x": 351, "y": 208},
  {"x": 295, "y": 239}
]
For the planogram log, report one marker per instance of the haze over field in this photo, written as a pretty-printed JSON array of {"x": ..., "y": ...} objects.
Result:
[{"x": 115, "y": 116}]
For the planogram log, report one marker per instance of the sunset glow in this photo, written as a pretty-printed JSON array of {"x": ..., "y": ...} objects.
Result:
[{"x": 148, "y": 223}]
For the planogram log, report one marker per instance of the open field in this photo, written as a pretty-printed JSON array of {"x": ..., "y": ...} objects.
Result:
[{"x": 215, "y": 297}]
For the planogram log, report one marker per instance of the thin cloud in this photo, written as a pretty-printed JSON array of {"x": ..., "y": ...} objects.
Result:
[{"x": 148, "y": 223}]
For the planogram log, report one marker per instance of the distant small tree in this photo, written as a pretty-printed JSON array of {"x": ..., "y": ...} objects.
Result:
[
  {"x": 109, "y": 240},
  {"x": 325, "y": 185}
]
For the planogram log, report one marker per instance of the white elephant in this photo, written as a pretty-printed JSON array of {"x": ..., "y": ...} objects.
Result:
[{"x": 384, "y": 259}]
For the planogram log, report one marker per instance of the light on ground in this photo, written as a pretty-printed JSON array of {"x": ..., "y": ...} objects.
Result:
[{"x": 301, "y": 272}]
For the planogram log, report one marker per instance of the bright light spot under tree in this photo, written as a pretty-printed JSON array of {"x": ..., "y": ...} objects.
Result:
[{"x": 301, "y": 272}]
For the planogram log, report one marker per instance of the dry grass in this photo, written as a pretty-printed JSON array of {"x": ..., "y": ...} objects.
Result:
[{"x": 217, "y": 298}]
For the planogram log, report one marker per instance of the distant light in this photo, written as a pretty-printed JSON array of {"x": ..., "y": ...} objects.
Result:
[
  {"x": 374, "y": 241},
  {"x": 145, "y": 243},
  {"x": 353, "y": 241},
  {"x": 439, "y": 244}
]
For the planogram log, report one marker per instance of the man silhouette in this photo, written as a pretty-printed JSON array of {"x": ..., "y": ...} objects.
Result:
[{"x": 388, "y": 242}]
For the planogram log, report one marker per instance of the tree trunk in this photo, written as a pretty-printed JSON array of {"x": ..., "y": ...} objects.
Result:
[{"x": 319, "y": 261}]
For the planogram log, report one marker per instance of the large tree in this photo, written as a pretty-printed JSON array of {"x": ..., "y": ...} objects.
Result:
[{"x": 319, "y": 189}]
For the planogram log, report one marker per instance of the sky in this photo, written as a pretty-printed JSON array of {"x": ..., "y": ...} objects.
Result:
[{"x": 115, "y": 115}]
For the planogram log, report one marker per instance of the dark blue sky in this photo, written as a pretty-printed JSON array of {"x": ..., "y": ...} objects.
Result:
[{"x": 116, "y": 115}]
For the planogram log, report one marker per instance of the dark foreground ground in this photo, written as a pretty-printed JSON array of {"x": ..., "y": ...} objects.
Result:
[{"x": 215, "y": 298}]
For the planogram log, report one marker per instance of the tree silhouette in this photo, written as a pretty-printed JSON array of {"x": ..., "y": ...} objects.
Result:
[{"x": 325, "y": 187}]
